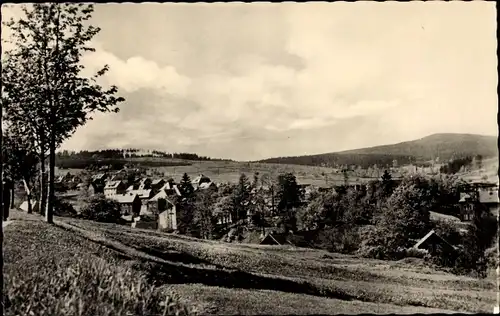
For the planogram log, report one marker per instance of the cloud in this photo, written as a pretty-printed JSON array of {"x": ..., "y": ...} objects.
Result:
[
  {"x": 257, "y": 80},
  {"x": 136, "y": 73}
]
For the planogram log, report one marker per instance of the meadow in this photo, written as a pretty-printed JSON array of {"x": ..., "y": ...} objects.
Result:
[{"x": 221, "y": 278}]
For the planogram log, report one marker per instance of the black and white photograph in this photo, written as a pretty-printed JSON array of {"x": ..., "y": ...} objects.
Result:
[{"x": 257, "y": 158}]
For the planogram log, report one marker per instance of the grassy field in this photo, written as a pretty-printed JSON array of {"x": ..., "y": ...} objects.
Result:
[
  {"x": 51, "y": 271},
  {"x": 221, "y": 278},
  {"x": 229, "y": 171}
]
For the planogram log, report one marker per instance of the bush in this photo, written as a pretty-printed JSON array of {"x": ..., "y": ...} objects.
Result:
[
  {"x": 90, "y": 287},
  {"x": 64, "y": 208},
  {"x": 101, "y": 209},
  {"x": 343, "y": 239}
]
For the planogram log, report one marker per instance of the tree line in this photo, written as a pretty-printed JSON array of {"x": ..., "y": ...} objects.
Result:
[{"x": 131, "y": 153}]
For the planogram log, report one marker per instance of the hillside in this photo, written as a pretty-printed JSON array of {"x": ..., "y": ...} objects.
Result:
[
  {"x": 444, "y": 146},
  {"x": 219, "y": 278}
]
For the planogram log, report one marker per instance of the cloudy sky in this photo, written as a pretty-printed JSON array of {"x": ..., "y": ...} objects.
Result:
[{"x": 250, "y": 81}]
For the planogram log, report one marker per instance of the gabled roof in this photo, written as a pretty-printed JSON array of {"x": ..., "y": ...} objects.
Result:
[
  {"x": 429, "y": 234},
  {"x": 156, "y": 181},
  {"x": 143, "y": 194},
  {"x": 206, "y": 185},
  {"x": 113, "y": 184},
  {"x": 98, "y": 176},
  {"x": 125, "y": 198},
  {"x": 199, "y": 178},
  {"x": 161, "y": 195}
]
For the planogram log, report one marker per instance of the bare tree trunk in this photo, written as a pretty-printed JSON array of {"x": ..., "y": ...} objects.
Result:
[
  {"x": 52, "y": 164},
  {"x": 12, "y": 198},
  {"x": 43, "y": 186},
  {"x": 28, "y": 193}
]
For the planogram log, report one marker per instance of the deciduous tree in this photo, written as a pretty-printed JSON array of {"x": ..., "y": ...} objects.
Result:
[{"x": 46, "y": 92}]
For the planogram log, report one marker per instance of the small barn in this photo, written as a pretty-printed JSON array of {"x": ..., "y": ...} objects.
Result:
[
  {"x": 433, "y": 243},
  {"x": 275, "y": 239}
]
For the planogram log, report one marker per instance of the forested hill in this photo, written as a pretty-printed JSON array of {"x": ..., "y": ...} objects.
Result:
[{"x": 444, "y": 146}]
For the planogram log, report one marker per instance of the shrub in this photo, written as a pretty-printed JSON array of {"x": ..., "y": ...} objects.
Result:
[
  {"x": 88, "y": 287},
  {"x": 101, "y": 209},
  {"x": 64, "y": 208},
  {"x": 343, "y": 239}
]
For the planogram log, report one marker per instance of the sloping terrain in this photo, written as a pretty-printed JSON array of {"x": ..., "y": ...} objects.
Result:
[
  {"x": 217, "y": 269},
  {"x": 220, "y": 278},
  {"x": 444, "y": 146}
]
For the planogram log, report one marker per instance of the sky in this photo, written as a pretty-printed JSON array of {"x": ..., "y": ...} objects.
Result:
[{"x": 248, "y": 81}]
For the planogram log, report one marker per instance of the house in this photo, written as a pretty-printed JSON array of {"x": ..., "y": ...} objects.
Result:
[
  {"x": 144, "y": 184},
  {"x": 114, "y": 188},
  {"x": 171, "y": 189},
  {"x": 99, "y": 178},
  {"x": 130, "y": 203},
  {"x": 208, "y": 186},
  {"x": 159, "y": 203},
  {"x": 144, "y": 196},
  {"x": 157, "y": 184},
  {"x": 95, "y": 188},
  {"x": 199, "y": 180},
  {"x": 433, "y": 243},
  {"x": 478, "y": 197}
]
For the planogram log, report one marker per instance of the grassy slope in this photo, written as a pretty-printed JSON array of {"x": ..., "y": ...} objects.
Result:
[
  {"x": 208, "y": 273},
  {"x": 32, "y": 246}
]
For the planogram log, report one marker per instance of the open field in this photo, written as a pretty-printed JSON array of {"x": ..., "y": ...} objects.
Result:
[
  {"x": 230, "y": 171},
  {"x": 224, "y": 278}
]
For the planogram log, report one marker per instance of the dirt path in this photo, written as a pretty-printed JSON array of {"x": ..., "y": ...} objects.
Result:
[{"x": 4, "y": 224}]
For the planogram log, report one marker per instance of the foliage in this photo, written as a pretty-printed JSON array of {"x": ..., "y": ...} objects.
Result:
[
  {"x": 241, "y": 198},
  {"x": 63, "y": 208},
  {"x": 204, "y": 220},
  {"x": 115, "y": 163},
  {"x": 456, "y": 165},
  {"x": 404, "y": 219},
  {"x": 101, "y": 209},
  {"x": 342, "y": 239},
  {"x": 45, "y": 92}
]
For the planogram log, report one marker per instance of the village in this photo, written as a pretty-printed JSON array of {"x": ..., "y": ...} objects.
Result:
[
  {"x": 244, "y": 159},
  {"x": 149, "y": 202}
]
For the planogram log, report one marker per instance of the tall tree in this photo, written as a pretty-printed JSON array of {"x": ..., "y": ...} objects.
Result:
[
  {"x": 290, "y": 198},
  {"x": 242, "y": 198},
  {"x": 186, "y": 206},
  {"x": 387, "y": 184},
  {"x": 49, "y": 42}
]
